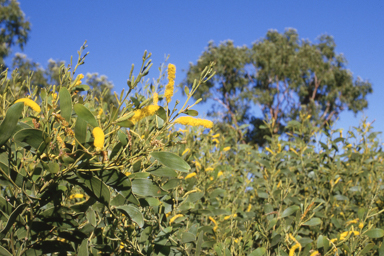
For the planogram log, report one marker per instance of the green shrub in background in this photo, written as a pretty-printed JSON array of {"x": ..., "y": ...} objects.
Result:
[{"x": 81, "y": 177}]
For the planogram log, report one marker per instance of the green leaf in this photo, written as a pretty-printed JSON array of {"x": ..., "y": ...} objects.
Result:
[
  {"x": 258, "y": 252},
  {"x": 199, "y": 243},
  {"x": 164, "y": 172},
  {"x": 81, "y": 130},
  {"x": 191, "y": 112},
  {"x": 375, "y": 233},
  {"x": 313, "y": 222},
  {"x": 134, "y": 213},
  {"x": 289, "y": 211},
  {"x": 126, "y": 123},
  {"x": 65, "y": 104},
  {"x": 83, "y": 248},
  {"x": 33, "y": 137},
  {"x": 145, "y": 187},
  {"x": 12, "y": 219},
  {"x": 171, "y": 160},
  {"x": 85, "y": 114},
  {"x": 187, "y": 237},
  {"x": 122, "y": 138},
  {"x": 53, "y": 167},
  {"x": 81, "y": 87},
  {"x": 7, "y": 127},
  {"x": 367, "y": 249},
  {"x": 99, "y": 189},
  {"x": 161, "y": 113},
  {"x": 4, "y": 252},
  {"x": 172, "y": 183},
  {"x": 322, "y": 241}
]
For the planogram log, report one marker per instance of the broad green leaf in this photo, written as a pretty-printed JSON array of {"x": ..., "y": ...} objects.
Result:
[
  {"x": 53, "y": 167},
  {"x": 172, "y": 183},
  {"x": 165, "y": 172},
  {"x": 193, "y": 197},
  {"x": 199, "y": 243},
  {"x": 290, "y": 210},
  {"x": 375, "y": 233},
  {"x": 33, "y": 137},
  {"x": 187, "y": 237},
  {"x": 122, "y": 138},
  {"x": 4, "y": 252},
  {"x": 65, "y": 104},
  {"x": 134, "y": 213},
  {"x": 367, "y": 249},
  {"x": 85, "y": 114},
  {"x": 313, "y": 222},
  {"x": 322, "y": 241},
  {"x": 83, "y": 248},
  {"x": 171, "y": 160},
  {"x": 145, "y": 187},
  {"x": 258, "y": 252},
  {"x": 191, "y": 112},
  {"x": 7, "y": 127},
  {"x": 81, "y": 130},
  {"x": 99, "y": 189},
  {"x": 12, "y": 218},
  {"x": 161, "y": 113},
  {"x": 126, "y": 123}
]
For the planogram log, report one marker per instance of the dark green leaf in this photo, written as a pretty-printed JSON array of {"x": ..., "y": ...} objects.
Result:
[
  {"x": 313, "y": 222},
  {"x": 145, "y": 187},
  {"x": 83, "y": 248},
  {"x": 171, "y": 160},
  {"x": 65, "y": 104},
  {"x": 134, "y": 213},
  {"x": 7, "y": 127},
  {"x": 85, "y": 114},
  {"x": 191, "y": 112},
  {"x": 258, "y": 252},
  {"x": 289, "y": 211},
  {"x": 12, "y": 218},
  {"x": 164, "y": 172},
  {"x": 81, "y": 130},
  {"x": 33, "y": 137},
  {"x": 187, "y": 237}
]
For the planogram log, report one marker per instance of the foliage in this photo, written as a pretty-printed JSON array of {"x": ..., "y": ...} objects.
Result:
[
  {"x": 81, "y": 176},
  {"x": 14, "y": 28},
  {"x": 284, "y": 76}
]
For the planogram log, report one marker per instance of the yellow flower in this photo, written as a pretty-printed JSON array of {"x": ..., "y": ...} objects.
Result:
[
  {"x": 30, "y": 103},
  {"x": 216, "y": 141},
  {"x": 144, "y": 112},
  {"x": 352, "y": 221},
  {"x": 294, "y": 151},
  {"x": 219, "y": 174},
  {"x": 209, "y": 169},
  {"x": 171, "y": 82},
  {"x": 210, "y": 178},
  {"x": 127, "y": 174},
  {"x": 337, "y": 180},
  {"x": 226, "y": 149},
  {"x": 98, "y": 134},
  {"x": 197, "y": 164},
  {"x": 269, "y": 150},
  {"x": 121, "y": 245},
  {"x": 167, "y": 214},
  {"x": 187, "y": 120},
  {"x": 333, "y": 240},
  {"x": 361, "y": 225},
  {"x": 185, "y": 151},
  {"x": 175, "y": 217},
  {"x": 190, "y": 175},
  {"x": 155, "y": 98},
  {"x": 230, "y": 216},
  {"x": 76, "y": 196},
  {"x": 315, "y": 253},
  {"x": 249, "y": 208},
  {"x": 345, "y": 234},
  {"x": 293, "y": 249},
  {"x": 215, "y": 228},
  {"x": 213, "y": 220},
  {"x": 216, "y": 135},
  {"x": 54, "y": 96},
  {"x": 78, "y": 78}
]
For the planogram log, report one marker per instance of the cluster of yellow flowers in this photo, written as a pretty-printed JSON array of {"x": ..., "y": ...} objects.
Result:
[
  {"x": 30, "y": 103},
  {"x": 98, "y": 134},
  {"x": 187, "y": 120},
  {"x": 144, "y": 112},
  {"x": 171, "y": 82}
]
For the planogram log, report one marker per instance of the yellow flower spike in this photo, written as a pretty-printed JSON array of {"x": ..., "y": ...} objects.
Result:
[
  {"x": 30, "y": 103},
  {"x": 279, "y": 184},
  {"x": 127, "y": 174},
  {"x": 174, "y": 218},
  {"x": 361, "y": 225},
  {"x": 190, "y": 175},
  {"x": 226, "y": 149},
  {"x": 76, "y": 196},
  {"x": 98, "y": 134},
  {"x": 187, "y": 120},
  {"x": 293, "y": 249},
  {"x": 220, "y": 174},
  {"x": 78, "y": 78},
  {"x": 209, "y": 169},
  {"x": 213, "y": 220},
  {"x": 269, "y": 150},
  {"x": 186, "y": 151},
  {"x": 352, "y": 222},
  {"x": 197, "y": 164},
  {"x": 155, "y": 99},
  {"x": 230, "y": 216},
  {"x": 249, "y": 208},
  {"x": 294, "y": 151},
  {"x": 144, "y": 112},
  {"x": 216, "y": 135},
  {"x": 216, "y": 141},
  {"x": 315, "y": 253},
  {"x": 171, "y": 82},
  {"x": 54, "y": 96},
  {"x": 121, "y": 245},
  {"x": 215, "y": 228},
  {"x": 337, "y": 180},
  {"x": 210, "y": 178}
]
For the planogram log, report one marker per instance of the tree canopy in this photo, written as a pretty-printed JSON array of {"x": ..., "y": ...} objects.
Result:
[{"x": 283, "y": 75}]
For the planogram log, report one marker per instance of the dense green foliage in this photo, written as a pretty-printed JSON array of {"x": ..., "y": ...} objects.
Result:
[
  {"x": 284, "y": 76},
  {"x": 154, "y": 189}
]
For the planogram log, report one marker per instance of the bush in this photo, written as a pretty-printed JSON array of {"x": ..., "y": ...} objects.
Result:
[{"x": 81, "y": 176}]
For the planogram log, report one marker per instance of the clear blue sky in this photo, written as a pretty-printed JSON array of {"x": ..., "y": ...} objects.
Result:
[{"x": 119, "y": 31}]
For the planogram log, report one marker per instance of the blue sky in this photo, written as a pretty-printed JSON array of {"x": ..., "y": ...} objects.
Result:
[{"x": 119, "y": 31}]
